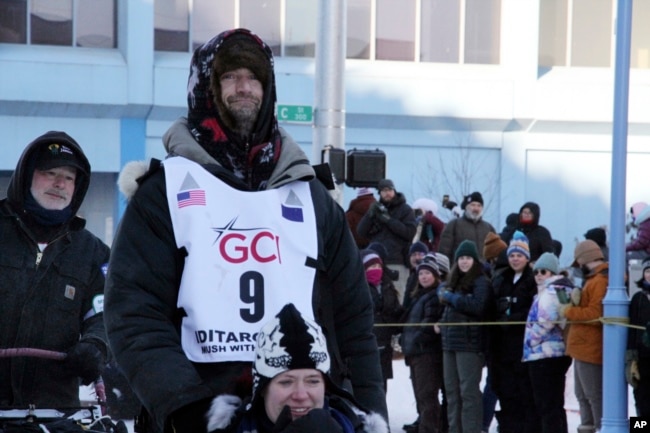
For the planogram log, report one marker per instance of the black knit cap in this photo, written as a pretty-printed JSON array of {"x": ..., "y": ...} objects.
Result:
[
  {"x": 241, "y": 51},
  {"x": 475, "y": 196}
]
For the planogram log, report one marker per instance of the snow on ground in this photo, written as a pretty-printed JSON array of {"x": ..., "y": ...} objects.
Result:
[{"x": 401, "y": 403}]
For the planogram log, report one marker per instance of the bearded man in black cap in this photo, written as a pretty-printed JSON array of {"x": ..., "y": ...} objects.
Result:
[
  {"x": 470, "y": 226},
  {"x": 229, "y": 228},
  {"x": 51, "y": 278}
]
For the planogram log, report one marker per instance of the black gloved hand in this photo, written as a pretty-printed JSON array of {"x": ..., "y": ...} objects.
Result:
[
  {"x": 373, "y": 209},
  {"x": 450, "y": 205},
  {"x": 86, "y": 360},
  {"x": 316, "y": 421},
  {"x": 191, "y": 418}
]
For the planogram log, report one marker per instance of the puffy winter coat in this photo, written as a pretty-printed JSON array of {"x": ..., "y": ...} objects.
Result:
[
  {"x": 585, "y": 340},
  {"x": 396, "y": 234}
]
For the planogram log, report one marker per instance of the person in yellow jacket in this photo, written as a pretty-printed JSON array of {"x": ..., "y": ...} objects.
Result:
[{"x": 585, "y": 337}]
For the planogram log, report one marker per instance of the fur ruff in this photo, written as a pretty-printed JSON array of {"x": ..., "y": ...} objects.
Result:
[
  {"x": 222, "y": 410},
  {"x": 127, "y": 181}
]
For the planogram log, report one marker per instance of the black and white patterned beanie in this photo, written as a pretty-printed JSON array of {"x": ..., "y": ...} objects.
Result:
[{"x": 287, "y": 342}]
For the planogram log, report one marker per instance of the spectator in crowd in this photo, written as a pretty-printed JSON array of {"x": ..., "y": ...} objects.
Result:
[
  {"x": 599, "y": 235},
  {"x": 639, "y": 247},
  {"x": 442, "y": 261},
  {"x": 493, "y": 249},
  {"x": 417, "y": 251},
  {"x": 539, "y": 238},
  {"x": 470, "y": 226},
  {"x": 584, "y": 342},
  {"x": 513, "y": 291},
  {"x": 51, "y": 278},
  {"x": 292, "y": 389},
  {"x": 391, "y": 222},
  {"x": 466, "y": 297},
  {"x": 235, "y": 194},
  {"x": 429, "y": 226},
  {"x": 637, "y": 356},
  {"x": 356, "y": 210},
  {"x": 387, "y": 309},
  {"x": 544, "y": 348},
  {"x": 512, "y": 221},
  {"x": 422, "y": 349}
]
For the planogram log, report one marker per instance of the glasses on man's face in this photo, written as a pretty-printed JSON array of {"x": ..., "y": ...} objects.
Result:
[{"x": 541, "y": 271}]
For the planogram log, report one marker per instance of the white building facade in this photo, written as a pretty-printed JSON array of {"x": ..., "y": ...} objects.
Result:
[{"x": 512, "y": 98}]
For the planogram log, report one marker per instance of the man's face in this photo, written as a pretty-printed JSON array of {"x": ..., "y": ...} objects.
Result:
[
  {"x": 416, "y": 258},
  {"x": 387, "y": 194},
  {"x": 241, "y": 94},
  {"x": 53, "y": 189},
  {"x": 475, "y": 209}
]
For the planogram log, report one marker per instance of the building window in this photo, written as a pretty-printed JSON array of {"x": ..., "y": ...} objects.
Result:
[
  {"x": 80, "y": 23},
  {"x": 580, "y": 33},
  {"x": 448, "y": 31}
]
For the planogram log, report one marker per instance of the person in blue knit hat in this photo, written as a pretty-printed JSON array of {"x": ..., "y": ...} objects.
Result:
[{"x": 513, "y": 290}]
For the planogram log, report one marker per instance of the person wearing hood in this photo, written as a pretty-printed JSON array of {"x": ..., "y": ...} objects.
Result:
[
  {"x": 470, "y": 226},
  {"x": 215, "y": 239},
  {"x": 637, "y": 355},
  {"x": 429, "y": 226},
  {"x": 51, "y": 278},
  {"x": 539, "y": 238},
  {"x": 391, "y": 222},
  {"x": 292, "y": 389}
]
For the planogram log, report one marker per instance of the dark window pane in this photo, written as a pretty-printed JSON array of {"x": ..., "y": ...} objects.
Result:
[
  {"x": 395, "y": 30},
  {"x": 440, "y": 26},
  {"x": 96, "y": 24},
  {"x": 171, "y": 25},
  {"x": 300, "y": 28},
  {"x": 51, "y": 22},
  {"x": 209, "y": 18},
  {"x": 591, "y": 38},
  {"x": 482, "y": 31},
  {"x": 358, "y": 29},
  {"x": 13, "y": 21},
  {"x": 553, "y": 16},
  {"x": 263, "y": 18}
]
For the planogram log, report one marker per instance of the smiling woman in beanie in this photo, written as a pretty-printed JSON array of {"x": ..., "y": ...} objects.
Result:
[
  {"x": 544, "y": 346},
  {"x": 514, "y": 290},
  {"x": 467, "y": 299},
  {"x": 292, "y": 389}
]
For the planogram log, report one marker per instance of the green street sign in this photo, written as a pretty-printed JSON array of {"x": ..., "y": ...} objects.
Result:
[{"x": 295, "y": 113}]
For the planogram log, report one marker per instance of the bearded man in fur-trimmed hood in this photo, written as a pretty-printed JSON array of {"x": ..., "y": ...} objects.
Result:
[{"x": 232, "y": 225}]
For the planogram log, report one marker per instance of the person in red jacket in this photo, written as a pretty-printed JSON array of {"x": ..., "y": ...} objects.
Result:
[{"x": 356, "y": 210}]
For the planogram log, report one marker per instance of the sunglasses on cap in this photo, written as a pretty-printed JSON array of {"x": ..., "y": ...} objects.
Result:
[{"x": 541, "y": 271}]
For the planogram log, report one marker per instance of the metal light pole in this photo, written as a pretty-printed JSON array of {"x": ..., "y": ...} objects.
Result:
[
  {"x": 616, "y": 302},
  {"x": 329, "y": 95}
]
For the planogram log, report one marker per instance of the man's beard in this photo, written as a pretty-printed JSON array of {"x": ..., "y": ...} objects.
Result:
[
  {"x": 244, "y": 117},
  {"x": 473, "y": 216}
]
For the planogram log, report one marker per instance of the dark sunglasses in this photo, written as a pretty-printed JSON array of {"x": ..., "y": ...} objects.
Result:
[{"x": 541, "y": 271}]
